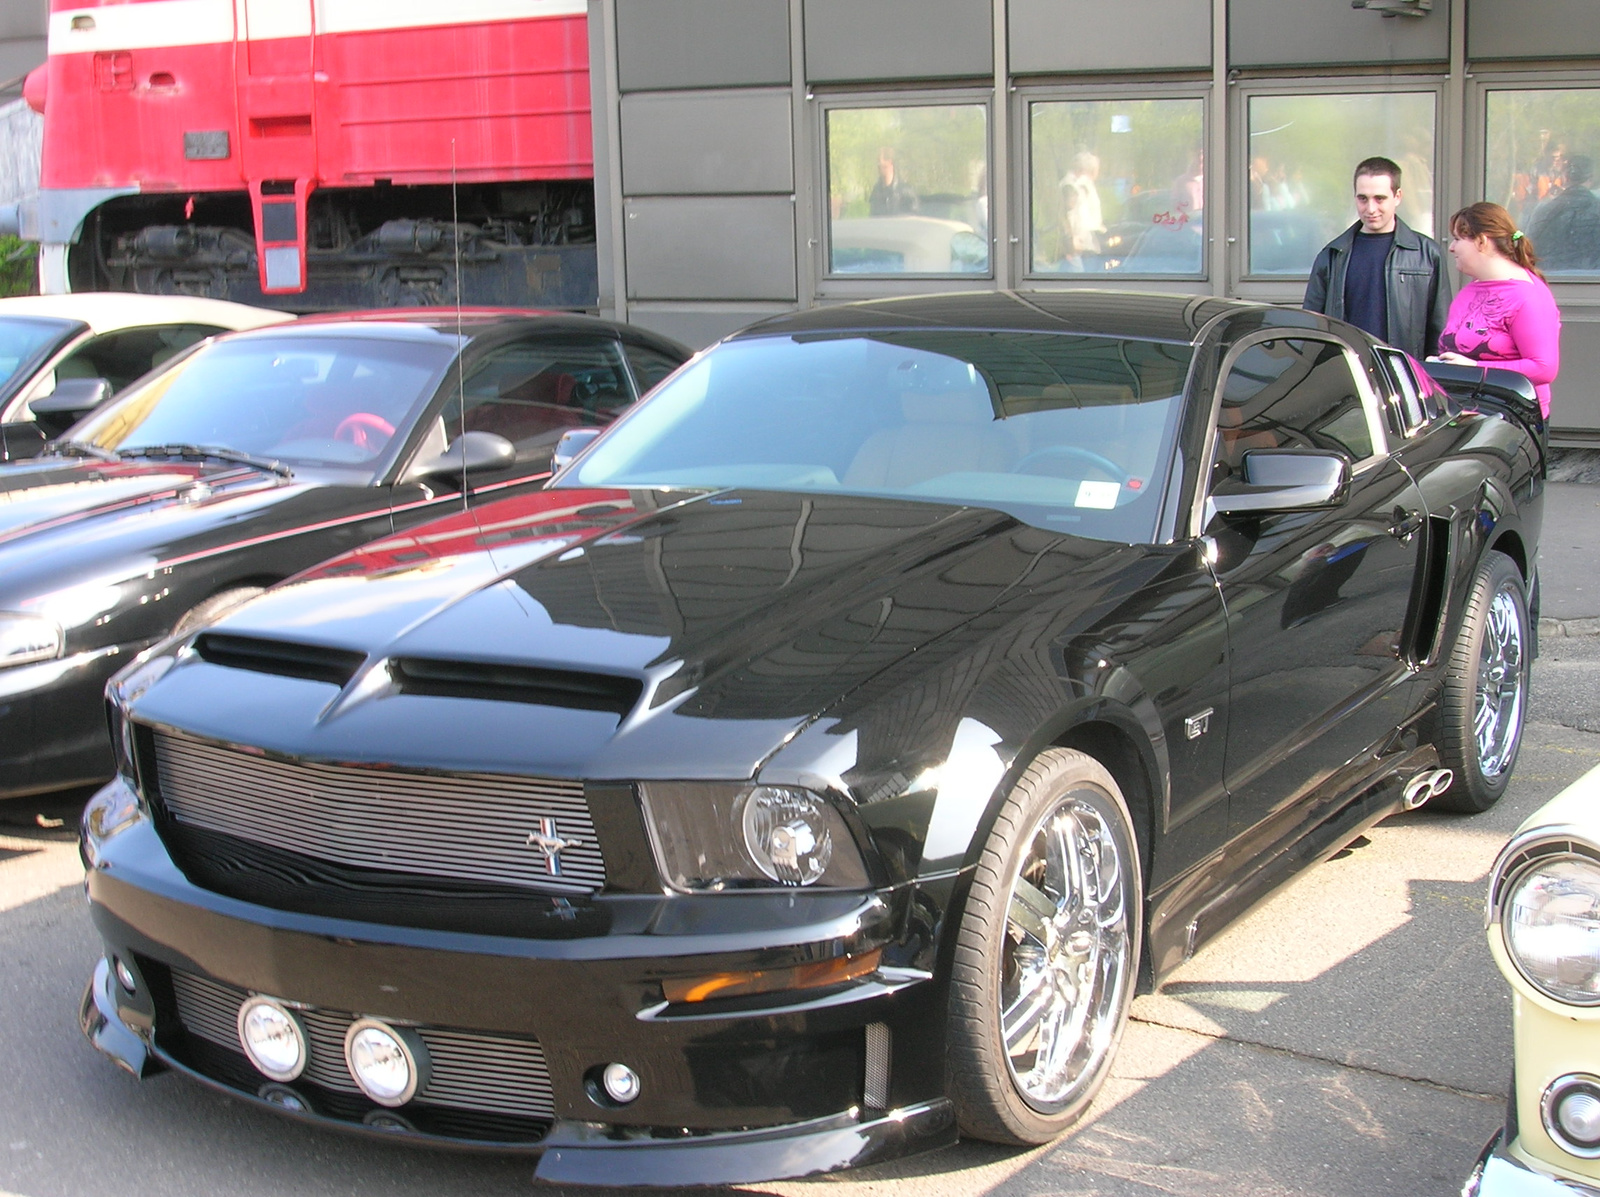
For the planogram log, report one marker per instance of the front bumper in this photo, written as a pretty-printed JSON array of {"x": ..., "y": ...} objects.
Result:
[
  {"x": 1498, "y": 1173},
  {"x": 53, "y": 722},
  {"x": 758, "y": 1089}
]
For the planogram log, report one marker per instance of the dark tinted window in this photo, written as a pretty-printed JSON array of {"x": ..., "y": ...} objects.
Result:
[
  {"x": 120, "y": 357},
  {"x": 1407, "y": 390},
  {"x": 650, "y": 366},
  {"x": 1292, "y": 394},
  {"x": 533, "y": 391}
]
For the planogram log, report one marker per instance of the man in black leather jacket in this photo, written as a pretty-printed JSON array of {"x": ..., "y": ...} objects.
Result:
[{"x": 1380, "y": 274}]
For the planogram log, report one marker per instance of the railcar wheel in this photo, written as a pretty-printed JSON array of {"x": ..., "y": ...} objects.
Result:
[
  {"x": 214, "y": 607},
  {"x": 1046, "y": 954},
  {"x": 1485, "y": 694}
]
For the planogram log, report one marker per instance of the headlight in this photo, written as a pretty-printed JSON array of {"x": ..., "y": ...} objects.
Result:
[
  {"x": 27, "y": 638},
  {"x": 1551, "y": 922},
  {"x": 708, "y": 836},
  {"x": 112, "y": 810}
]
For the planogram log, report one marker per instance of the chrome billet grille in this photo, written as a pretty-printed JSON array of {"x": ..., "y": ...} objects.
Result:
[
  {"x": 468, "y": 1070},
  {"x": 469, "y": 827}
]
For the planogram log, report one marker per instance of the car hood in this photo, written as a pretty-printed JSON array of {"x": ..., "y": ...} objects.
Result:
[
  {"x": 62, "y": 516},
  {"x": 734, "y": 617}
]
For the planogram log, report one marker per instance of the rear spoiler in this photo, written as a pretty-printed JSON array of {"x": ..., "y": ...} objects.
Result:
[{"x": 1504, "y": 392}]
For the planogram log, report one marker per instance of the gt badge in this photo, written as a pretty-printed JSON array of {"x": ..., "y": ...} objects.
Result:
[{"x": 1196, "y": 726}]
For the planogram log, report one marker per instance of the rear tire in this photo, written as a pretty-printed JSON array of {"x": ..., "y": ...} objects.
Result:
[
  {"x": 1484, "y": 699},
  {"x": 214, "y": 608},
  {"x": 1046, "y": 955}
]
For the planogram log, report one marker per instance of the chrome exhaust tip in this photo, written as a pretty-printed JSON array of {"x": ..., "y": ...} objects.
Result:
[{"x": 1430, "y": 783}]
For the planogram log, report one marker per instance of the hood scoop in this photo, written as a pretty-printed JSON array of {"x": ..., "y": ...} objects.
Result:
[
  {"x": 516, "y": 683},
  {"x": 311, "y": 662}
]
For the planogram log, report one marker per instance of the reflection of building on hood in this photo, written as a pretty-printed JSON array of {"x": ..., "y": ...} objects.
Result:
[{"x": 1080, "y": 204}]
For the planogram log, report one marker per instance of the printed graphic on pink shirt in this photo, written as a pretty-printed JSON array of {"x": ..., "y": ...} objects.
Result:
[{"x": 1483, "y": 332}]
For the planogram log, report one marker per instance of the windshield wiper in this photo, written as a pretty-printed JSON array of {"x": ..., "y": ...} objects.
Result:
[
  {"x": 220, "y": 452},
  {"x": 79, "y": 449}
]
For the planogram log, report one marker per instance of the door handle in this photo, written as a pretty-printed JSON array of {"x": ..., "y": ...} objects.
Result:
[{"x": 1405, "y": 524}]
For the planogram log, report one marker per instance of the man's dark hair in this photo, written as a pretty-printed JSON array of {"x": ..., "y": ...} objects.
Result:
[
  {"x": 1379, "y": 166},
  {"x": 1580, "y": 169}
]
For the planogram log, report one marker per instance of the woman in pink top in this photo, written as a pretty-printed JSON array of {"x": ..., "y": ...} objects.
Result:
[{"x": 1506, "y": 316}]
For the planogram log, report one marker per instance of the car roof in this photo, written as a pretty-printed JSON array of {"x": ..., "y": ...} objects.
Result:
[
  {"x": 107, "y": 311},
  {"x": 1161, "y": 316},
  {"x": 475, "y": 321}
]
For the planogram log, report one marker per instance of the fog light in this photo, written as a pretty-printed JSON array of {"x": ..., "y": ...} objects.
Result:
[
  {"x": 386, "y": 1062},
  {"x": 273, "y": 1038},
  {"x": 1571, "y": 1109},
  {"x": 284, "y": 1098},
  {"x": 621, "y": 1083},
  {"x": 124, "y": 975},
  {"x": 385, "y": 1121}
]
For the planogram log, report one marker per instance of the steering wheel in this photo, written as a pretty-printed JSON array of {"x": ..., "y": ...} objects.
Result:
[
  {"x": 365, "y": 430},
  {"x": 1074, "y": 452}
]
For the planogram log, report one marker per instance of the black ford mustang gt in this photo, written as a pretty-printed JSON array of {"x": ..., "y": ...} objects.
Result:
[
  {"x": 815, "y": 770},
  {"x": 253, "y": 457}
]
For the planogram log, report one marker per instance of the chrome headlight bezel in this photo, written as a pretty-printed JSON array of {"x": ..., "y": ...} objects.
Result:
[
  {"x": 1538, "y": 857},
  {"x": 707, "y": 838},
  {"x": 26, "y": 639}
]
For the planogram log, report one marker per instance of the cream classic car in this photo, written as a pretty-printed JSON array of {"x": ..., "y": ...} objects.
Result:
[{"x": 1544, "y": 932}]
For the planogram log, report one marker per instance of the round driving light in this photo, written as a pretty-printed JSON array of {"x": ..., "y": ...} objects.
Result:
[
  {"x": 386, "y": 1062},
  {"x": 1571, "y": 1109},
  {"x": 786, "y": 833},
  {"x": 621, "y": 1083},
  {"x": 1551, "y": 925},
  {"x": 385, "y": 1121},
  {"x": 124, "y": 975},
  {"x": 273, "y": 1038}
]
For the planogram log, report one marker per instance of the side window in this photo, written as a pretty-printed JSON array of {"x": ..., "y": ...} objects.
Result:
[
  {"x": 650, "y": 366},
  {"x": 1291, "y": 393},
  {"x": 530, "y": 392},
  {"x": 1409, "y": 411},
  {"x": 120, "y": 357}
]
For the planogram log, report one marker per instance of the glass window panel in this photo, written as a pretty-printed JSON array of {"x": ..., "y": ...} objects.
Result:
[
  {"x": 908, "y": 190},
  {"x": 1539, "y": 161},
  {"x": 1118, "y": 185},
  {"x": 1302, "y": 150},
  {"x": 1291, "y": 394}
]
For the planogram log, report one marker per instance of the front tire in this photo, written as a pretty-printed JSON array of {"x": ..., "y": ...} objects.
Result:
[
  {"x": 1484, "y": 699},
  {"x": 1046, "y": 954}
]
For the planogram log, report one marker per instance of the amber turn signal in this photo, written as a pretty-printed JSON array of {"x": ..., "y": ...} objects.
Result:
[{"x": 799, "y": 976}]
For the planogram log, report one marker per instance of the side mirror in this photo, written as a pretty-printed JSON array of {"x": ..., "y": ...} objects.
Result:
[
  {"x": 1283, "y": 480},
  {"x": 573, "y": 442},
  {"x": 474, "y": 450},
  {"x": 72, "y": 399}
]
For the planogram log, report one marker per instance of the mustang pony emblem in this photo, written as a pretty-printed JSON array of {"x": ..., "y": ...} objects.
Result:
[{"x": 549, "y": 841}]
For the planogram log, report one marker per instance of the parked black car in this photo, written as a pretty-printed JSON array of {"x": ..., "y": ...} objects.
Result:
[
  {"x": 251, "y": 457},
  {"x": 817, "y": 768}
]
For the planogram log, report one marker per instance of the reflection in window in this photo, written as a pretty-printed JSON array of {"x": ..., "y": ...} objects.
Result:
[
  {"x": 908, "y": 190},
  {"x": 1118, "y": 185},
  {"x": 1539, "y": 161},
  {"x": 1291, "y": 394},
  {"x": 1302, "y": 150}
]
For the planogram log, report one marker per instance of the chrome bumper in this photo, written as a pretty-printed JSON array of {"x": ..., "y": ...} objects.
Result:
[{"x": 1500, "y": 1174}]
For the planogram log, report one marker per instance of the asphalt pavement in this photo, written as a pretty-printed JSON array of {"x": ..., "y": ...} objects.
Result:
[{"x": 1349, "y": 1038}]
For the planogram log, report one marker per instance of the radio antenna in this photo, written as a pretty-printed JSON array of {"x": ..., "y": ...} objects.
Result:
[{"x": 461, "y": 385}]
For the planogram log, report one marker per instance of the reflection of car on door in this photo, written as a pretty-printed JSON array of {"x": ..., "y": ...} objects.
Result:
[{"x": 46, "y": 340}]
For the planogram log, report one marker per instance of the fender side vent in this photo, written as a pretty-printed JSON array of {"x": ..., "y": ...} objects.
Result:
[
  {"x": 517, "y": 683},
  {"x": 311, "y": 662},
  {"x": 1429, "y": 595}
]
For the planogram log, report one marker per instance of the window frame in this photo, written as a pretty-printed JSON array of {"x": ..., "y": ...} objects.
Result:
[
  {"x": 1025, "y": 97},
  {"x": 1283, "y": 288},
  {"x": 864, "y": 286}
]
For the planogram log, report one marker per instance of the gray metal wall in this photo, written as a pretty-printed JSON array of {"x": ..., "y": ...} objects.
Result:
[
  {"x": 709, "y": 120},
  {"x": 22, "y": 41}
]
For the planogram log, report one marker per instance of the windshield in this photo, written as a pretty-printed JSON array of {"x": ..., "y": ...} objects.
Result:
[
  {"x": 309, "y": 400},
  {"x": 22, "y": 340},
  {"x": 1067, "y": 432}
]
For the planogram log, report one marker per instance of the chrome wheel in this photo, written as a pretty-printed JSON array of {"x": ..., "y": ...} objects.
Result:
[
  {"x": 1497, "y": 719},
  {"x": 1068, "y": 952}
]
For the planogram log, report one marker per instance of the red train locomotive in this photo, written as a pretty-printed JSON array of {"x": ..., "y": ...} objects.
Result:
[{"x": 318, "y": 154}]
